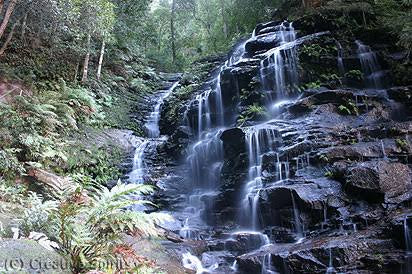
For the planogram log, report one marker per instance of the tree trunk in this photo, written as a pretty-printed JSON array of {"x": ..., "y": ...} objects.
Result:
[
  {"x": 86, "y": 59},
  {"x": 6, "y": 18},
  {"x": 99, "y": 68},
  {"x": 23, "y": 27},
  {"x": 76, "y": 70},
  {"x": 8, "y": 40},
  {"x": 1, "y": 6},
  {"x": 173, "y": 31},
  {"x": 225, "y": 28}
]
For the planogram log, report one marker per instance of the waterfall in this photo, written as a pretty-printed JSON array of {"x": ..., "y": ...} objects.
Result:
[
  {"x": 258, "y": 142},
  {"x": 204, "y": 157},
  {"x": 152, "y": 124},
  {"x": 296, "y": 216},
  {"x": 372, "y": 71},
  {"x": 278, "y": 71},
  {"x": 341, "y": 65},
  {"x": 330, "y": 268},
  {"x": 192, "y": 262},
  {"x": 408, "y": 244},
  {"x": 139, "y": 166},
  {"x": 267, "y": 266}
]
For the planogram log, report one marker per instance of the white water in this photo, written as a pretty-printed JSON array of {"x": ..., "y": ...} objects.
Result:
[
  {"x": 139, "y": 166},
  {"x": 152, "y": 124},
  {"x": 192, "y": 262},
  {"x": 278, "y": 71},
  {"x": 371, "y": 68},
  {"x": 279, "y": 75},
  {"x": 258, "y": 141},
  {"x": 330, "y": 268},
  {"x": 341, "y": 65},
  {"x": 408, "y": 244}
]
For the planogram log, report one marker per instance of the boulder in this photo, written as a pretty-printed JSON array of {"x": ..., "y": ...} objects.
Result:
[
  {"x": 49, "y": 180},
  {"x": 361, "y": 151},
  {"x": 262, "y": 43},
  {"x": 342, "y": 254},
  {"x": 233, "y": 142},
  {"x": 30, "y": 257},
  {"x": 380, "y": 178}
]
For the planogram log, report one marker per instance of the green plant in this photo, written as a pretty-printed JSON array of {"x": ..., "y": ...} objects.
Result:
[
  {"x": 402, "y": 144},
  {"x": 88, "y": 222},
  {"x": 251, "y": 112},
  {"x": 344, "y": 110},
  {"x": 39, "y": 214},
  {"x": 354, "y": 74},
  {"x": 12, "y": 193},
  {"x": 349, "y": 108}
]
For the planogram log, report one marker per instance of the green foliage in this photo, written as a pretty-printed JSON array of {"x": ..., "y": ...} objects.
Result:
[
  {"x": 316, "y": 50},
  {"x": 311, "y": 85},
  {"x": 93, "y": 163},
  {"x": 88, "y": 231},
  {"x": 12, "y": 193},
  {"x": 402, "y": 144},
  {"x": 397, "y": 17},
  {"x": 39, "y": 214},
  {"x": 251, "y": 112},
  {"x": 356, "y": 75},
  {"x": 349, "y": 108}
]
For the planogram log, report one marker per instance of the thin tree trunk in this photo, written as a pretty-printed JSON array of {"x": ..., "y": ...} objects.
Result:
[
  {"x": 225, "y": 28},
  {"x": 99, "y": 68},
  {"x": 76, "y": 71},
  {"x": 1, "y": 6},
  {"x": 8, "y": 40},
  {"x": 86, "y": 59},
  {"x": 6, "y": 18},
  {"x": 172, "y": 31},
  {"x": 23, "y": 27}
]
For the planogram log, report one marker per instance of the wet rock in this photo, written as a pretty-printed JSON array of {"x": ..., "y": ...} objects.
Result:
[
  {"x": 263, "y": 42},
  {"x": 178, "y": 142},
  {"x": 244, "y": 242},
  {"x": 235, "y": 79},
  {"x": 260, "y": 27},
  {"x": 360, "y": 151},
  {"x": 401, "y": 94},
  {"x": 345, "y": 253},
  {"x": 309, "y": 197},
  {"x": 233, "y": 142},
  {"x": 380, "y": 178},
  {"x": 32, "y": 257}
]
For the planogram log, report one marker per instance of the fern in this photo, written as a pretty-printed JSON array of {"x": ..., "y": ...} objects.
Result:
[{"x": 87, "y": 231}]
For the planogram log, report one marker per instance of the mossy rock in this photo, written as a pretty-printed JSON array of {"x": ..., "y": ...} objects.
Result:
[{"x": 27, "y": 256}]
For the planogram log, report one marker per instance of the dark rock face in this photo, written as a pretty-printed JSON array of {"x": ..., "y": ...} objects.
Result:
[
  {"x": 380, "y": 177},
  {"x": 343, "y": 254},
  {"x": 263, "y": 42},
  {"x": 233, "y": 174},
  {"x": 337, "y": 172}
]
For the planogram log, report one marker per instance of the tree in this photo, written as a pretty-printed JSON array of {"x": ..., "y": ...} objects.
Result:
[
  {"x": 173, "y": 31},
  {"x": 6, "y": 18}
]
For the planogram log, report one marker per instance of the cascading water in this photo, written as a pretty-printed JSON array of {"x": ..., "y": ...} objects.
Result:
[
  {"x": 136, "y": 176},
  {"x": 279, "y": 79},
  {"x": 373, "y": 74},
  {"x": 152, "y": 124},
  {"x": 258, "y": 141},
  {"x": 278, "y": 71},
  {"x": 341, "y": 65},
  {"x": 408, "y": 245},
  {"x": 205, "y": 158}
]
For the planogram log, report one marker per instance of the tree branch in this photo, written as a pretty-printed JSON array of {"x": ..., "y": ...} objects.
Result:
[
  {"x": 9, "y": 37},
  {"x": 6, "y": 18}
]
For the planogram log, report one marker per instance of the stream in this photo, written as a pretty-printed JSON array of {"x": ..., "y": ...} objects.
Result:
[{"x": 280, "y": 198}]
